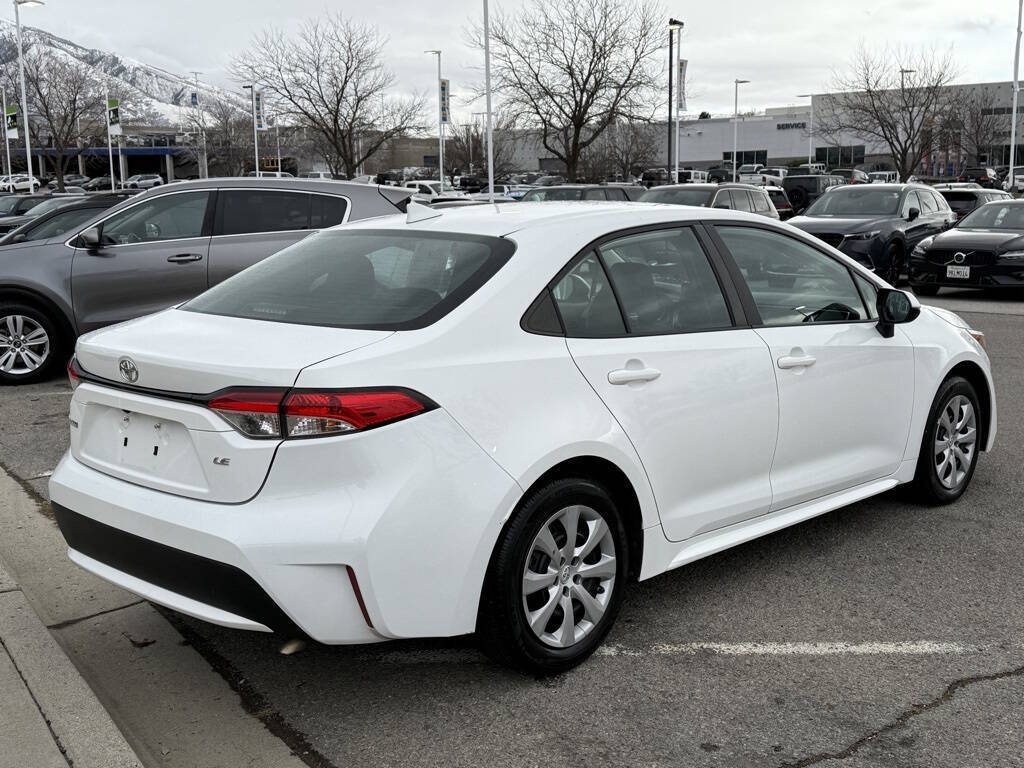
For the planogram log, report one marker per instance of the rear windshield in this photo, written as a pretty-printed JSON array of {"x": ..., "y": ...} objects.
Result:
[
  {"x": 961, "y": 201},
  {"x": 373, "y": 279},
  {"x": 676, "y": 196},
  {"x": 555, "y": 193}
]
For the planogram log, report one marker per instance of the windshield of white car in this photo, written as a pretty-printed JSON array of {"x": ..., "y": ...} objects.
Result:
[
  {"x": 676, "y": 196},
  {"x": 995, "y": 216},
  {"x": 856, "y": 201},
  {"x": 372, "y": 279}
]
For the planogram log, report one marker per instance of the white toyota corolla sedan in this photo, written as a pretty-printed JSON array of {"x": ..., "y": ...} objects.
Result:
[{"x": 492, "y": 419}]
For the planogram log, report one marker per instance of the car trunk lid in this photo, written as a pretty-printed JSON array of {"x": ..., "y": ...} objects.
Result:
[{"x": 140, "y": 413}]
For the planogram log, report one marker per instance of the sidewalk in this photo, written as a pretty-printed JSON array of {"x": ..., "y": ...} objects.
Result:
[{"x": 49, "y": 717}]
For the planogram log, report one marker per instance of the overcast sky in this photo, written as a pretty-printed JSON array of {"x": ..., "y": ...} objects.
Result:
[{"x": 785, "y": 47}]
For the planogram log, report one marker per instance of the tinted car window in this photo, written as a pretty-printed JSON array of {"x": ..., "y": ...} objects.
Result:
[
  {"x": 791, "y": 282},
  {"x": 586, "y": 302},
  {"x": 857, "y": 200},
  {"x": 940, "y": 201},
  {"x": 261, "y": 210},
  {"x": 557, "y": 193},
  {"x": 26, "y": 204},
  {"x": 594, "y": 194},
  {"x": 8, "y": 204},
  {"x": 614, "y": 193},
  {"x": 387, "y": 280},
  {"x": 910, "y": 201},
  {"x": 326, "y": 211},
  {"x": 961, "y": 202},
  {"x": 927, "y": 203},
  {"x": 59, "y": 223},
  {"x": 166, "y": 217},
  {"x": 665, "y": 283}
]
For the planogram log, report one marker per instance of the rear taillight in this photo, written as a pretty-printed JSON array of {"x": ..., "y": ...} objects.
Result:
[
  {"x": 253, "y": 412},
  {"x": 74, "y": 373},
  {"x": 276, "y": 413}
]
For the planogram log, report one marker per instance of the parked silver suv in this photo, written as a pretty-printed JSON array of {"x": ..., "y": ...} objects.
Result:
[{"x": 156, "y": 250}]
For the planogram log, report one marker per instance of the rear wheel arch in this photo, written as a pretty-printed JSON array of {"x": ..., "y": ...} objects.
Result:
[{"x": 610, "y": 476}]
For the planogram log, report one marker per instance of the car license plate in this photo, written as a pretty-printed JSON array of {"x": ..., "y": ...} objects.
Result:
[{"x": 960, "y": 272}]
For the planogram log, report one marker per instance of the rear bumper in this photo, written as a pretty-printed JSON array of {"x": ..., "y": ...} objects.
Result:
[{"x": 412, "y": 510}]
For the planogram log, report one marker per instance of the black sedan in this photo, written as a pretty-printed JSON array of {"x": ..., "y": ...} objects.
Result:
[
  {"x": 986, "y": 250},
  {"x": 877, "y": 224}
]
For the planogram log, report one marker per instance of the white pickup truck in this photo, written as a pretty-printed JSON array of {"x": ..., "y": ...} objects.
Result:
[
  {"x": 750, "y": 173},
  {"x": 761, "y": 175}
]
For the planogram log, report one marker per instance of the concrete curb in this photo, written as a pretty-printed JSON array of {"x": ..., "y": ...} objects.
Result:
[{"x": 79, "y": 725}]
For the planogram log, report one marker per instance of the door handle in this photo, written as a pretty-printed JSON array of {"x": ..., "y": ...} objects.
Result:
[
  {"x": 797, "y": 361},
  {"x": 627, "y": 375},
  {"x": 184, "y": 258}
]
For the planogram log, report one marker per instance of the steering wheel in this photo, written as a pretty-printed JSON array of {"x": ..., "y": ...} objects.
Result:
[
  {"x": 129, "y": 238},
  {"x": 834, "y": 312}
]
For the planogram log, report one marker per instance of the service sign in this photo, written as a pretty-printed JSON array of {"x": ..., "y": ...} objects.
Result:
[
  {"x": 11, "y": 119},
  {"x": 114, "y": 116}
]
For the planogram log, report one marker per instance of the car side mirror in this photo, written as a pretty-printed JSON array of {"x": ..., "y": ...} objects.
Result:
[
  {"x": 913, "y": 213},
  {"x": 895, "y": 307},
  {"x": 90, "y": 239}
]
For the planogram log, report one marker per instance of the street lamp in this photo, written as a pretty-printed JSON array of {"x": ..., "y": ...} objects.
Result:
[
  {"x": 673, "y": 26},
  {"x": 736, "y": 122},
  {"x": 255, "y": 134},
  {"x": 440, "y": 124},
  {"x": 21, "y": 74},
  {"x": 1013, "y": 112},
  {"x": 810, "y": 131}
]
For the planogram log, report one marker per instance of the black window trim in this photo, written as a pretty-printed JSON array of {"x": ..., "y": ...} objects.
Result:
[
  {"x": 750, "y": 306},
  {"x": 217, "y": 213},
  {"x": 730, "y": 294}
]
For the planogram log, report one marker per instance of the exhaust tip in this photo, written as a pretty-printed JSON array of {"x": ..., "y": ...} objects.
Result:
[{"x": 293, "y": 646}]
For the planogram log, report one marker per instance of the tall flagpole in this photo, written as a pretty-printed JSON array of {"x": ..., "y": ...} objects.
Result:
[
  {"x": 7, "y": 141},
  {"x": 110, "y": 146},
  {"x": 24, "y": 101},
  {"x": 487, "y": 88},
  {"x": 1013, "y": 113}
]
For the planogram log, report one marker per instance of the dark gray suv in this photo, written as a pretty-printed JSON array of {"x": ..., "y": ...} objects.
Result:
[{"x": 156, "y": 250}]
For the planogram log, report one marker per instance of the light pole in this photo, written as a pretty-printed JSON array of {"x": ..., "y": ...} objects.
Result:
[
  {"x": 674, "y": 27},
  {"x": 736, "y": 122},
  {"x": 204, "y": 170},
  {"x": 21, "y": 74},
  {"x": 1013, "y": 113},
  {"x": 810, "y": 130},
  {"x": 7, "y": 141},
  {"x": 440, "y": 124},
  {"x": 487, "y": 91},
  {"x": 255, "y": 134}
]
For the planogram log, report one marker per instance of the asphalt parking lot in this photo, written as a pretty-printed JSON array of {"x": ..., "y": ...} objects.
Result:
[{"x": 884, "y": 634}]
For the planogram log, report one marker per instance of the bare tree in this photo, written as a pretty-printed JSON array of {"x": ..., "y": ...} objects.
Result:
[
  {"x": 467, "y": 144},
  {"x": 228, "y": 135},
  {"x": 979, "y": 125},
  {"x": 634, "y": 146},
  {"x": 330, "y": 77},
  {"x": 571, "y": 68},
  {"x": 895, "y": 97}
]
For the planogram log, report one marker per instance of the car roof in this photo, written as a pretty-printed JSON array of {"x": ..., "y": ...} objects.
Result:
[
  {"x": 274, "y": 182},
  {"x": 503, "y": 219}
]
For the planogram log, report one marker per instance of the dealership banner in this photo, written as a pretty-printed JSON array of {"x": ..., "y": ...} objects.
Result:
[
  {"x": 11, "y": 118},
  {"x": 444, "y": 100},
  {"x": 261, "y": 123},
  {"x": 114, "y": 116},
  {"x": 681, "y": 100}
]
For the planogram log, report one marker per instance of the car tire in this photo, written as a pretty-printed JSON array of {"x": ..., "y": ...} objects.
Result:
[
  {"x": 524, "y": 579},
  {"x": 26, "y": 329},
  {"x": 950, "y": 445},
  {"x": 925, "y": 290},
  {"x": 893, "y": 264}
]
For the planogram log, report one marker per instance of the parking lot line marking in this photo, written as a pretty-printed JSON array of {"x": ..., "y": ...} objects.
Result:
[{"x": 904, "y": 648}]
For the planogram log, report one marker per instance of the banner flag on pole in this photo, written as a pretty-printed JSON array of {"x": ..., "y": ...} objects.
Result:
[
  {"x": 444, "y": 100},
  {"x": 114, "y": 116},
  {"x": 12, "y": 122},
  {"x": 195, "y": 99},
  {"x": 261, "y": 123},
  {"x": 681, "y": 100}
]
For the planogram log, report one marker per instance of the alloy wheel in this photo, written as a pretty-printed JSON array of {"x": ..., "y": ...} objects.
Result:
[
  {"x": 24, "y": 345},
  {"x": 569, "y": 576},
  {"x": 956, "y": 435}
]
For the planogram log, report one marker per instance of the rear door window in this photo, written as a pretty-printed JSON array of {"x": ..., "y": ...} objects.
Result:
[
  {"x": 374, "y": 279},
  {"x": 761, "y": 204},
  {"x": 586, "y": 303},
  {"x": 594, "y": 194},
  {"x": 740, "y": 200},
  {"x": 245, "y": 211}
]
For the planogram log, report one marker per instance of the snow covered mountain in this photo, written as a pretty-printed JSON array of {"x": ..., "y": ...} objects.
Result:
[{"x": 165, "y": 90}]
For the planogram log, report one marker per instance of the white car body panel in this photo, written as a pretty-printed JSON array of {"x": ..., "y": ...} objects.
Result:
[{"x": 415, "y": 508}]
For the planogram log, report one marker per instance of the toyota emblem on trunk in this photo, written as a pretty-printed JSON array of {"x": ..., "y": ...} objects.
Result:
[{"x": 129, "y": 372}]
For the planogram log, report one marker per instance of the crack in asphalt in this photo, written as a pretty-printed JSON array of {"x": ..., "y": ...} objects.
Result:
[{"x": 907, "y": 715}]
